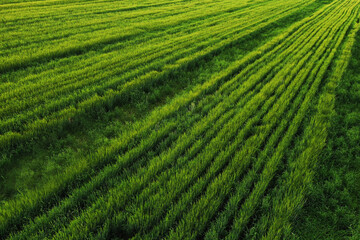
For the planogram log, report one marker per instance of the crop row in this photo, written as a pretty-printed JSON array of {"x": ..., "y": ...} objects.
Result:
[
  {"x": 43, "y": 113},
  {"x": 153, "y": 119},
  {"x": 228, "y": 135}
]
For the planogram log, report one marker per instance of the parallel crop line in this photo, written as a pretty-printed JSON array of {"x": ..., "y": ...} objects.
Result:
[
  {"x": 271, "y": 166},
  {"x": 61, "y": 117},
  {"x": 302, "y": 169},
  {"x": 160, "y": 114},
  {"x": 213, "y": 194}
]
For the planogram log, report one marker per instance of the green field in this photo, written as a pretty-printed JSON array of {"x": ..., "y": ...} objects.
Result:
[{"x": 180, "y": 119}]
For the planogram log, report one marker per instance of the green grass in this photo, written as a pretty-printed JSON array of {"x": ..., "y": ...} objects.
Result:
[
  {"x": 178, "y": 119},
  {"x": 332, "y": 208},
  {"x": 79, "y": 142}
]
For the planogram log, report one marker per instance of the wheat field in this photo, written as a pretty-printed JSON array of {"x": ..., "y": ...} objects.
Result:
[{"x": 179, "y": 119}]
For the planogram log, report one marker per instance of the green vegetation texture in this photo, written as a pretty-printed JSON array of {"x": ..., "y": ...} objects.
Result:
[{"x": 178, "y": 119}]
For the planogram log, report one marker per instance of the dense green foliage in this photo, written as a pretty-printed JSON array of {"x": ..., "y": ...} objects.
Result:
[
  {"x": 333, "y": 207},
  {"x": 178, "y": 119}
]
